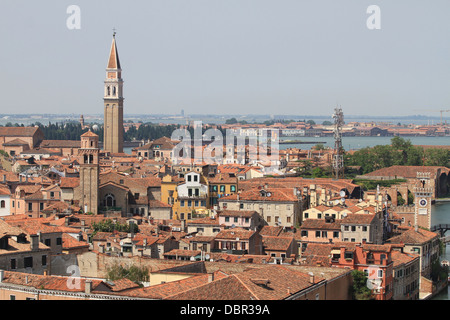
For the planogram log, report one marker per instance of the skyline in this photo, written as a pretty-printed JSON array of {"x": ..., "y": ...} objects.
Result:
[{"x": 211, "y": 57}]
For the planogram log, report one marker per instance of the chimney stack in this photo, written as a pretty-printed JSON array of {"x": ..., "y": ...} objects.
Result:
[
  {"x": 88, "y": 286},
  {"x": 311, "y": 278},
  {"x": 2, "y": 275},
  {"x": 210, "y": 277},
  {"x": 34, "y": 243}
]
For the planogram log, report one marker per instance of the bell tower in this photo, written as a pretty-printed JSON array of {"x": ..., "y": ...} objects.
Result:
[
  {"x": 422, "y": 200},
  {"x": 88, "y": 155},
  {"x": 113, "y": 103}
]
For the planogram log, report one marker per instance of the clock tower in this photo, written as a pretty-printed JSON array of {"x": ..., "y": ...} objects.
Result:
[
  {"x": 422, "y": 199},
  {"x": 113, "y": 103}
]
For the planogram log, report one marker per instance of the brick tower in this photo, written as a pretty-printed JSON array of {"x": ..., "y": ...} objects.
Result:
[
  {"x": 422, "y": 200},
  {"x": 89, "y": 171},
  {"x": 113, "y": 103}
]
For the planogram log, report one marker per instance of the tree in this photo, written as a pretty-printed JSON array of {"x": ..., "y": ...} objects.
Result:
[
  {"x": 327, "y": 123},
  {"x": 359, "y": 288},
  {"x": 231, "y": 121},
  {"x": 133, "y": 273},
  {"x": 311, "y": 122}
]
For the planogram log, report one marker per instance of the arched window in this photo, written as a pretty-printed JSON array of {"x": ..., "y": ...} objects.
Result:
[
  {"x": 110, "y": 200},
  {"x": 3, "y": 204},
  {"x": 109, "y": 91},
  {"x": 114, "y": 91}
]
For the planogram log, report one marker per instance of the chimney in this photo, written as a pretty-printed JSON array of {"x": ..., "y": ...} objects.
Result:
[
  {"x": 4, "y": 178},
  {"x": 2, "y": 275},
  {"x": 183, "y": 225},
  {"x": 66, "y": 221},
  {"x": 87, "y": 286},
  {"x": 311, "y": 278},
  {"x": 34, "y": 243},
  {"x": 145, "y": 242},
  {"x": 20, "y": 178},
  {"x": 210, "y": 277}
]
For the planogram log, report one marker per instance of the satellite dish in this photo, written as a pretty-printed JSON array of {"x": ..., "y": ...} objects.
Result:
[
  {"x": 192, "y": 259},
  {"x": 207, "y": 257},
  {"x": 269, "y": 194},
  {"x": 342, "y": 193}
]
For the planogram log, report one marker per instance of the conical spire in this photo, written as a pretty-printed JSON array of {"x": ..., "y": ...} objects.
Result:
[{"x": 113, "y": 62}]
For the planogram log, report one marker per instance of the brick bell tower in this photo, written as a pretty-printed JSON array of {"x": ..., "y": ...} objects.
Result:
[
  {"x": 113, "y": 103},
  {"x": 89, "y": 172},
  {"x": 422, "y": 200}
]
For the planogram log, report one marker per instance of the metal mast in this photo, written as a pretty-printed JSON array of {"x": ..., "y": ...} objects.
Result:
[{"x": 338, "y": 158}]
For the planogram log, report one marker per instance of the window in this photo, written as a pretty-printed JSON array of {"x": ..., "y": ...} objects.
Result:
[
  {"x": 136, "y": 196},
  {"x": 380, "y": 273},
  {"x": 324, "y": 234},
  {"x": 189, "y": 203},
  {"x": 195, "y": 178},
  {"x": 306, "y": 215},
  {"x": 241, "y": 206},
  {"x": 44, "y": 260},
  {"x": 182, "y": 203},
  {"x": 189, "y": 178},
  {"x": 353, "y": 228},
  {"x": 348, "y": 255},
  {"x": 346, "y": 228},
  {"x": 48, "y": 242},
  {"x": 214, "y": 188},
  {"x": 268, "y": 219},
  {"x": 227, "y": 219},
  {"x": 247, "y": 220},
  {"x": 189, "y": 192},
  {"x": 335, "y": 234},
  {"x": 13, "y": 264},
  {"x": 319, "y": 216},
  {"x": 304, "y": 233},
  {"x": 30, "y": 206},
  {"x": 288, "y": 219},
  {"x": 3, "y": 204},
  {"x": 52, "y": 194},
  {"x": 235, "y": 219},
  {"x": 233, "y": 188},
  {"x": 222, "y": 188},
  {"x": 13, "y": 204},
  {"x": 364, "y": 228},
  {"x": 28, "y": 262},
  {"x": 41, "y": 206},
  {"x": 59, "y": 241},
  {"x": 317, "y": 234},
  {"x": 12, "y": 297},
  {"x": 196, "y": 203}
]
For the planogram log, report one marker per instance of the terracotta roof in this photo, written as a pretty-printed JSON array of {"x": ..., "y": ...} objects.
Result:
[
  {"x": 45, "y": 282},
  {"x": 276, "y": 195},
  {"x": 18, "y": 131},
  {"x": 277, "y": 243},
  {"x": 267, "y": 283},
  {"x": 270, "y": 231},
  {"x": 237, "y": 213},
  {"x": 15, "y": 142},
  {"x": 69, "y": 242},
  {"x": 410, "y": 236}
]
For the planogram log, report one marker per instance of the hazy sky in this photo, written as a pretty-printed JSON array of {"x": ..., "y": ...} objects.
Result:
[{"x": 297, "y": 57}]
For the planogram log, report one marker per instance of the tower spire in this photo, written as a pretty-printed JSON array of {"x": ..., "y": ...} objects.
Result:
[{"x": 114, "y": 62}]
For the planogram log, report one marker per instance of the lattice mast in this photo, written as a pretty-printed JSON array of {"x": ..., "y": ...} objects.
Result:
[{"x": 338, "y": 157}]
